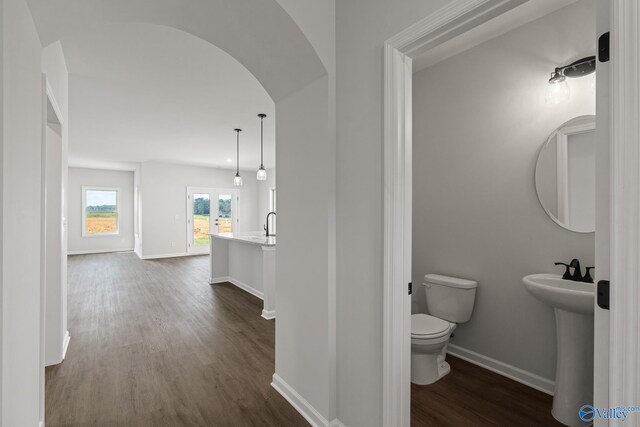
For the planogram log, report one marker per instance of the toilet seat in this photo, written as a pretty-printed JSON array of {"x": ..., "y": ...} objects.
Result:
[{"x": 424, "y": 326}]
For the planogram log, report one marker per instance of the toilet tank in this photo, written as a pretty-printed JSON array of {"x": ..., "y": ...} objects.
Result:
[{"x": 450, "y": 298}]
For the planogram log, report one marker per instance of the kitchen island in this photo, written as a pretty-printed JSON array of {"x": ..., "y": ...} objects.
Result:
[{"x": 248, "y": 261}]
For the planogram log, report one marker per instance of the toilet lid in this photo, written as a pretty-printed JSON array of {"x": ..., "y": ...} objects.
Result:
[{"x": 425, "y": 325}]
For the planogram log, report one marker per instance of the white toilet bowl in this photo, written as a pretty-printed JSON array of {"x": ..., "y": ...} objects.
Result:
[{"x": 429, "y": 338}]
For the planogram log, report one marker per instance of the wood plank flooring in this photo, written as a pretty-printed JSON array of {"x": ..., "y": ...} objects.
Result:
[
  {"x": 474, "y": 397},
  {"x": 153, "y": 344}
]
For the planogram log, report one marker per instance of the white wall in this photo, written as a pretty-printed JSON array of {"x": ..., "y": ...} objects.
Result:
[
  {"x": 317, "y": 20},
  {"x": 303, "y": 344},
  {"x": 164, "y": 204},
  {"x": 362, "y": 28},
  {"x": 55, "y": 284},
  {"x": 264, "y": 197},
  {"x": 22, "y": 139},
  {"x": 2, "y": 60},
  {"x": 123, "y": 180},
  {"x": 476, "y": 214}
]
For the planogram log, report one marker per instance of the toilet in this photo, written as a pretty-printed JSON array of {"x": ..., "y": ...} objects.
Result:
[{"x": 449, "y": 302}]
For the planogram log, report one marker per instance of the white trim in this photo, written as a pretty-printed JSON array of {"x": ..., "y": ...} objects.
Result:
[
  {"x": 41, "y": 424},
  {"x": 65, "y": 345},
  {"x": 238, "y": 284},
  {"x": 336, "y": 423},
  {"x": 396, "y": 368},
  {"x": 175, "y": 255},
  {"x": 624, "y": 349},
  {"x": 299, "y": 403},
  {"x": 54, "y": 104},
  {"x": 86, "y": 188},
  {"x": 453, "y": 19},
  {"x": 268, "y": 314},
  {"x": 99, "y": 251},
  {"x": 520, "y": 375}
]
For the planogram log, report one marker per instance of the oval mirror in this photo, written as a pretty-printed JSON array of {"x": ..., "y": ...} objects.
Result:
[{"x": 566, "y": 175}]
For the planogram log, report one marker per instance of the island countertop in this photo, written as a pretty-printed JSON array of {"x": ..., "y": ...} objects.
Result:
[{"x": 254, "y": 238}]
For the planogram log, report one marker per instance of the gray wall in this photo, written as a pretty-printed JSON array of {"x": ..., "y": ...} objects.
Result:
[
  {"x": 79, "y": 177},
  {"x": 479, "y": 122}
]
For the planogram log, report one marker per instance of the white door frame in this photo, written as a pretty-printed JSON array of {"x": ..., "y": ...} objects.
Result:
[
  {"x": 235, "y": 203},
  {"x": 453, "y": 19},
  {"x": 624, "y": 114}
]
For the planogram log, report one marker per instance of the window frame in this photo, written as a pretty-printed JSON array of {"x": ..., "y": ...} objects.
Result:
[{"x": 84, "y": 211}]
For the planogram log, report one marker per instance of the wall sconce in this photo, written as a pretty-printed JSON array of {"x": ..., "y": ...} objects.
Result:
[{"x": 558, "y": 89}]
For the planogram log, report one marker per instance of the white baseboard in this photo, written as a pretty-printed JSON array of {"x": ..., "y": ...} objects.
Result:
[
  {"x": 239, "y": 284},
  {"x": 160, "y": 256},
  {"x": 336, "y": 423},
  {"x": 300, "y": 404},
  {"x": 98, "y": 251},
  {"x": 520, "y": 375},
  {"x": 269, "y": 314},
  {"x": 65, "y": 346},
  {"x": 41, "y": 424}
]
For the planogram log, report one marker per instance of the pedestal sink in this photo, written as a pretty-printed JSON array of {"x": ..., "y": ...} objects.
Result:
[{"x": 573, "y": 305}]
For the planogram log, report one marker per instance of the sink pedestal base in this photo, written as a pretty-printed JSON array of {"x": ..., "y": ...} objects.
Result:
[{"x": 574, "y": 366}]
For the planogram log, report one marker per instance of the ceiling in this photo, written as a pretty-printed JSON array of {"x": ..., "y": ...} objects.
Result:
[{"x": 145, "y": 92}]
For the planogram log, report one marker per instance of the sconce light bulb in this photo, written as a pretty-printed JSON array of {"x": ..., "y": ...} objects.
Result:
[
  {"x": 237, "y": 181},
  {"x": 557, "y": 91}
]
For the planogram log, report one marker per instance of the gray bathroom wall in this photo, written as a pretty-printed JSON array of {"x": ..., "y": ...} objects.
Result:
[{"x": 479, "y": 121}]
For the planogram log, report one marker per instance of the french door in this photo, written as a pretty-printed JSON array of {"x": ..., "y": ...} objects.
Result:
[{"x": 209, "y": 210}]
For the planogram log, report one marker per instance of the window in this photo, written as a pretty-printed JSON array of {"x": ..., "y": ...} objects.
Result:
[{"x": 100, "y": 211}]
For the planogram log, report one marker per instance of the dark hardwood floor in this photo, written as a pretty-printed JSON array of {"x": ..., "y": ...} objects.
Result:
[
  {"x": 153, "y": 344},
  {"x": 471, "y": 396}
]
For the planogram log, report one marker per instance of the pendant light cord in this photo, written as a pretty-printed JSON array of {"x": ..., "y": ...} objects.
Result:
[
  {"x": 262, "y": 116},
  {"x": 237, "y": 151}
]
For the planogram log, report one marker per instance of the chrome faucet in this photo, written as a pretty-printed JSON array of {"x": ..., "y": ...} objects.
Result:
[{"x": 266, "y": 227}]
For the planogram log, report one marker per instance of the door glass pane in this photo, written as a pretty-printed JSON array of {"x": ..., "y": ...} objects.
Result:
[
  {"x": 201, "y": 219},
  {"x": 224, "y": 213}
]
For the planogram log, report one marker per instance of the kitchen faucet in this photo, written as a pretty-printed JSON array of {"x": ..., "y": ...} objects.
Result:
[{"x": 266, "y": 227}]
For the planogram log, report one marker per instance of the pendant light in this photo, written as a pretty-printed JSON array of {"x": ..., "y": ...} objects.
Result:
[
  {"x": 237, "y": 181},
  {"x": 262, "y": 173}
]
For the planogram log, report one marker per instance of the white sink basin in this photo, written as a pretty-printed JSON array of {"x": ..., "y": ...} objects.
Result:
[
  {"x": 576, "y": 297},
  {"x": 573, "y": 306}
]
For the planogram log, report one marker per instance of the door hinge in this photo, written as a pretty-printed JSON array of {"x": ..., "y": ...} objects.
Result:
[
  {"x": 603, "y": 294},
  {"x": 603, "y": 47},
  {"x": 410, "y": 288}
]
